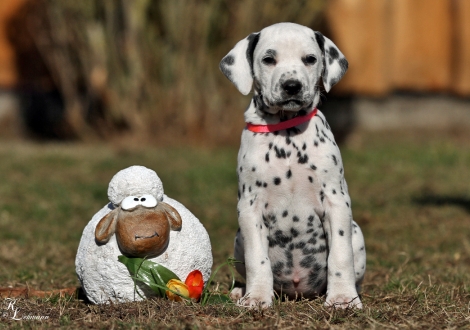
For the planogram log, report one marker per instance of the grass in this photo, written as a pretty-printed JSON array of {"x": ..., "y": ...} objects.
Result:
[{"x": 411, "y": 197}]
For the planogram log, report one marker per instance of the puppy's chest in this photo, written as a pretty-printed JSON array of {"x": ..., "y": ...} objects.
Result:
[{"x": 285, "y": 165}]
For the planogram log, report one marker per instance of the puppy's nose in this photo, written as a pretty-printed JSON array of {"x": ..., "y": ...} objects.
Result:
[{"x": 292, "y": 86}]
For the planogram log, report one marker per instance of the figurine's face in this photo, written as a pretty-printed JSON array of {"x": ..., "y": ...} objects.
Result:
[
  {"x": 142, "y": 226},
  {"x": 142, "y": 232}
]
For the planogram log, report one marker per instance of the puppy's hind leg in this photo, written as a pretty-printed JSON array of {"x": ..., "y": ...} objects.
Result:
[
  {"x": 239, "y": 255},
  {"x": 359, "y": 252}
]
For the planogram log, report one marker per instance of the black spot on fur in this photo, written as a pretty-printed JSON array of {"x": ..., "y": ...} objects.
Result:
[
  {"x": 295, "y": 218},
  {"x": 267, "y": 157},
  {"x": 258, "y": 183},
  {"x": 289, "y": 257},
  {"x": 307, "y": 261},
  {"x": 312, "y": 240},
  {"x": 277, "y": 181},
  {"x": 334, "y": 54},
  {"x": 280, "y": 153},
  {"x": 285, "y": 213},
  {"x": 266, "y": 205},
  {"x": 300, "y": 245},
  {"x": 341, "y": 233},
  {"x": 343, "y": 63},
  {"x": 253, "y": 169},
  {"x": 277, "y": 267},
  {"x": 310, "y": 179},
  {"x": 252, "y": 42},
  {"x": 320, "y": 39},
  {"x": 224, "y": 64},
  {"x": 294, "y": 232},
  {"x": 279, "y": 239},
  {"x": 313, "y": 167},
  {"x": 228, "y": 60},
  {"x": 334, "y": 160},
  {"x": 289, "y": 174},
  {"x": 302, "y": 159}
]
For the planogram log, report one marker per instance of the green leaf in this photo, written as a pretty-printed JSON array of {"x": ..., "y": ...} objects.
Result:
[
  {"x": 150, "y": 273},
  {"x": 218, "y": 298}
]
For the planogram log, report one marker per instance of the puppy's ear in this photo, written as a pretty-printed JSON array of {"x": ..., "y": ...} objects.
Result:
[
  {"x": 106, "y": 227},
  {"x": 172, "y": 215},
  {"x": 237, "y": 65},
  {"x": 335, "y": 64}
]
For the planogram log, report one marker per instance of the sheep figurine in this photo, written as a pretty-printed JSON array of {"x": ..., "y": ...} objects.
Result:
[{"x": 140, "y": 221}]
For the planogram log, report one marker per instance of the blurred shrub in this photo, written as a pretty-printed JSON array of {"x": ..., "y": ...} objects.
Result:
[{"x": 148, "y": 68}]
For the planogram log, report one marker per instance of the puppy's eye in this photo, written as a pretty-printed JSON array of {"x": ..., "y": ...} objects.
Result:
[
  {"x": 269, "y": 60},
  {"x": 309, "y": 60}
]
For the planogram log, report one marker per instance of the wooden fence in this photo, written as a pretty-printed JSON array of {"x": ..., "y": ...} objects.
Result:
[{"x": 412, "y": 45}]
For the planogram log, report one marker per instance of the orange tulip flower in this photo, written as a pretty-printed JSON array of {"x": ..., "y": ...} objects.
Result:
[
  {"x": 195, "y": 284},
  {"x": 178, "y": 286}
]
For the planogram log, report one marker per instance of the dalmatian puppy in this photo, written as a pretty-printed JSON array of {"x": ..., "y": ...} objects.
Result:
[{"x": 296, "y": 234}]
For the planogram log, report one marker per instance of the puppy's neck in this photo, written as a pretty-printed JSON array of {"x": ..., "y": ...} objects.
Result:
[{"x": 257, "y": 116}]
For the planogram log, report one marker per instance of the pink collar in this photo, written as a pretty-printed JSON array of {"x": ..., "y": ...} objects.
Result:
[{"x": 282, "y": 125}]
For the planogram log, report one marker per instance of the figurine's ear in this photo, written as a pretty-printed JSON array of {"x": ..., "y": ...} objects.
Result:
[
  {"x": 172, "y": 215},
  {"x": 106, "y": 227}
]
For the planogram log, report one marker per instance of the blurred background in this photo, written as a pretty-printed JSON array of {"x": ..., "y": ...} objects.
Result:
[
  {"x": 90, "y": 87},
  {"x": 147, "y": 70}
]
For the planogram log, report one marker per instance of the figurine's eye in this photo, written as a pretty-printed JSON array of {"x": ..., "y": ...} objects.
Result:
[
  {"x": 148, "y": 201},
  {"x": 130, "y": 202}
]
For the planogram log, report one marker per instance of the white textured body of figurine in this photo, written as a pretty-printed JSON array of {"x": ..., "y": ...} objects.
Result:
[{"x": 138, "y": 190}]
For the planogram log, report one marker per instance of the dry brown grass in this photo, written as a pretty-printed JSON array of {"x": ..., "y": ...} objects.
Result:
[{"x": 410, "y": 195}]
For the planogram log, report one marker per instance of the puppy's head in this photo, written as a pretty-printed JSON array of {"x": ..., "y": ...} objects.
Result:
[{"x": 284, "y": 64}]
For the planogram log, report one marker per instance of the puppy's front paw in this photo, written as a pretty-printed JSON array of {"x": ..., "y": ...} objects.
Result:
[
  {"x": 256, "y": 299},
  {"x": 237, "y": 293},
  {"x": 343, "y": 301}
]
